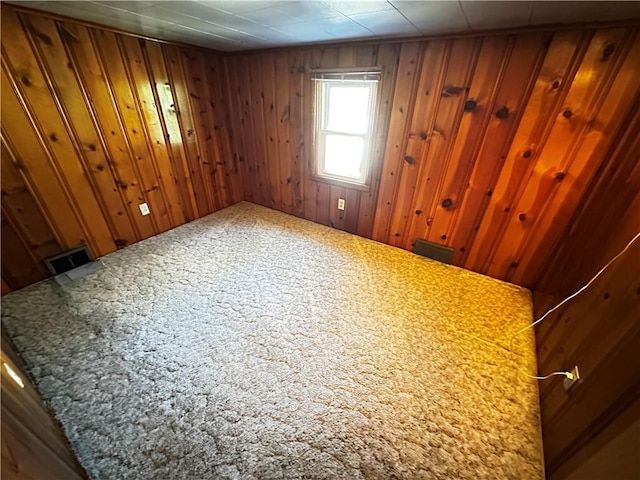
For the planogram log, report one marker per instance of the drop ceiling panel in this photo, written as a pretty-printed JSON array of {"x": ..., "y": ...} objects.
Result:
[
  {"x": 493, "y": 15},
  {"x": 247, "y": 24}
]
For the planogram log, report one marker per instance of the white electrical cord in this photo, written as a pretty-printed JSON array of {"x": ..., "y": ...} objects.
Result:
[{"x": 569, "y": 375}]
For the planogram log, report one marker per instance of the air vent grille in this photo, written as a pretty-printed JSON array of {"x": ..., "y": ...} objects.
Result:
[
  {"x": 69, "y": 260},
  {"x": 431, "y": 250}
]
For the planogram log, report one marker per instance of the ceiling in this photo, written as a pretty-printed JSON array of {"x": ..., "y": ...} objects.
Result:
[{"x": 243, "y": 24}]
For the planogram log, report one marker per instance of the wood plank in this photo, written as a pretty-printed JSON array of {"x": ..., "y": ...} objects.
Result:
[
  {"x": 580, "y": 169},
  {"x": 551, "y": 85},
  {"x": 555, "y": 158},
  {"x": 186, "y": 123},
  {"x": 482, "y": 90},
  {"x": 58, "y": 64},
  {"x": 296, "y": 130},
  {"x": 434, "y": 59},
  {"x": 201, "y": 122},
  {"x": 171, "y": 214},
  {"x": 433, "y": 162},
  {"x": 286, "y": 156},
  {"x": 32, "y": 162},
  {"x": 272, "y": 162},
  {"x": 91, "y": 73},
  {"x": 163, "y": 93},
  {"x": 409, "y": 64},
  {"x": 35, "y": 95}
]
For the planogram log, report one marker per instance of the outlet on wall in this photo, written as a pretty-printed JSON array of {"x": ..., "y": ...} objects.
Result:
[
  {"x": 144, "y": 209},
  {"x": 341, "y": 204}
]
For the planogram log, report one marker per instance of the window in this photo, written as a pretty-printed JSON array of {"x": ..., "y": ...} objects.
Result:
[{"x": 345, "y": 109}]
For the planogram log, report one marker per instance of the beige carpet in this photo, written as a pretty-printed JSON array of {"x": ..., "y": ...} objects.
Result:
[{"x": 255, "y": 345}]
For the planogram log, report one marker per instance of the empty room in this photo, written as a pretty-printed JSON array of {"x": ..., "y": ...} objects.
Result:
[{"x": 320, "y": 240}]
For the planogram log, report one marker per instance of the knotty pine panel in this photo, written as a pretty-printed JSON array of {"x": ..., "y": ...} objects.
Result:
[
  {"x": 95, "y": 123},
  {"x": 488, "y": 143}
]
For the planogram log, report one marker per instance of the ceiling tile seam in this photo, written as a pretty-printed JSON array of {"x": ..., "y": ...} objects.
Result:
[
  {"x": 405, "y": 17},
  {"x": 531, "y": 13},
  {"x": 464, "y": 14}
]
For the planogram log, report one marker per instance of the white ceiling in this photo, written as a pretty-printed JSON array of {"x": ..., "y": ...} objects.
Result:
[{"x": 243, "y": 24}]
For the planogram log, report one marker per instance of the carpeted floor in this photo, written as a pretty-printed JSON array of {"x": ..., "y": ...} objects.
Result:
[{"x": 255, "y": 345}]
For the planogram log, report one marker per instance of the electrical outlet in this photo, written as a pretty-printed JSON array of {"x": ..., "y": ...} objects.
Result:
[
  {"x": 341, "y": 204},
  {"x": 144, "y": 209},
  {"x": 571, "y": 379}
]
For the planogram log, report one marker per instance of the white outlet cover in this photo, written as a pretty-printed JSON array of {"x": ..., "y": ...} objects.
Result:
[
  {"x": 341, "y": 204},
  {"x": 144, "y": 209}
]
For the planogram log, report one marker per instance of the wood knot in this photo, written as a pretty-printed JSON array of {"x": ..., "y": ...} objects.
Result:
[
  {"x": 462, "y": 249},
  {"x": 120, "y": 242},
  {"x": 527, "y": 153},
  {"x": 514, "y": 265},
  {"x": 506, "y": 209},
  {"x": 555, "y": 85},
  {"x": 409, "y": 159},
  {"x": 43, "y": 38},
  {"x": 92, "y": 147},
  {"x": 25, "y": 80},
  {"x": 503, "y": 113},
  {"x": 522, "y": 217},
  {"x": 53, "y": 137},
  {"x": 447, "y": 202},
  {"x": 418, "y": 212},
  {"x": 443, "y": 237},
  {"x": 567, "y": 113},
  {"x": 489, "y": 193},
  {"x": 560, "y": 176},
  {"x": 470, "y": 105},
  {"x": 608, "y": 51},
  {"x": 429, "y": 221},
  {"x": 423, "y": 135},
  {"x": 606, "y": 295},
  {"x": 451, "y": 91}
]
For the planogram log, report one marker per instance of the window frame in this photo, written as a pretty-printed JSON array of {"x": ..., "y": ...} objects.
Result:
[{"x": 323, "y": 81}]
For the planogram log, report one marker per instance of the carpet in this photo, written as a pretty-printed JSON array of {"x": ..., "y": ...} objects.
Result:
[{"x": 251, "y": 344}]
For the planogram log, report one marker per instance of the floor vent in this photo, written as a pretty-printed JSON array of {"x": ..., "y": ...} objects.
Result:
[
  {"x": 431, "y": 250},
  {"x": 69, "y": 260}
]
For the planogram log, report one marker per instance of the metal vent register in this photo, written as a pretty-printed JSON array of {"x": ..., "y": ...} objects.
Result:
[{"x": 431, "y": 250}]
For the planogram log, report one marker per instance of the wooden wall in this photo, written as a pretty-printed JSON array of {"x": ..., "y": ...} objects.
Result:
[
  {"x": 272, "y": 116},
  {"x": 95, "y": 123},
  {"x": 514, "y": 164},
  {"x": 599, "y": 332}
]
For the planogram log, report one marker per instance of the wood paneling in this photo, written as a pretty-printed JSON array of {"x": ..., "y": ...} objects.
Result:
[
  {"x": 598, "y": 331},
  {"x": 95, "y": 123},
  {"x": 271, "y": 112},
  {"x": 33, "y": 446},
  {"x": 498, "y": 180}
]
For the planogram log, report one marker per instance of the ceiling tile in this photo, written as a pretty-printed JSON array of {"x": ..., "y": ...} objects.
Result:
[
  {"x": 271, "y": 17},
  {"x": 67, "y": 9},
  {"x": 492, "y": 15},
  {"x": 567, "y": 12},
  {"x": 307, "y": 11},
  {"x": 436, "y": 17},
  {"x": 307, "y": 31},
  {"x": 622, "y": 11},
  {"x": 94, "y": 8},
  {"x": 344, "y": 27},
  {"x": 129, "y": 5},
  {"x": 231, "y": 6},
  {"x": 387, "y": 22},
  {"x": 162, "y": 13},
  {"x": 350, "y": 7}
]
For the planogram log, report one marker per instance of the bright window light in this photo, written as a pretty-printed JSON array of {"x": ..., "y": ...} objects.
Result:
[{"x": 345, "y": 106}]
